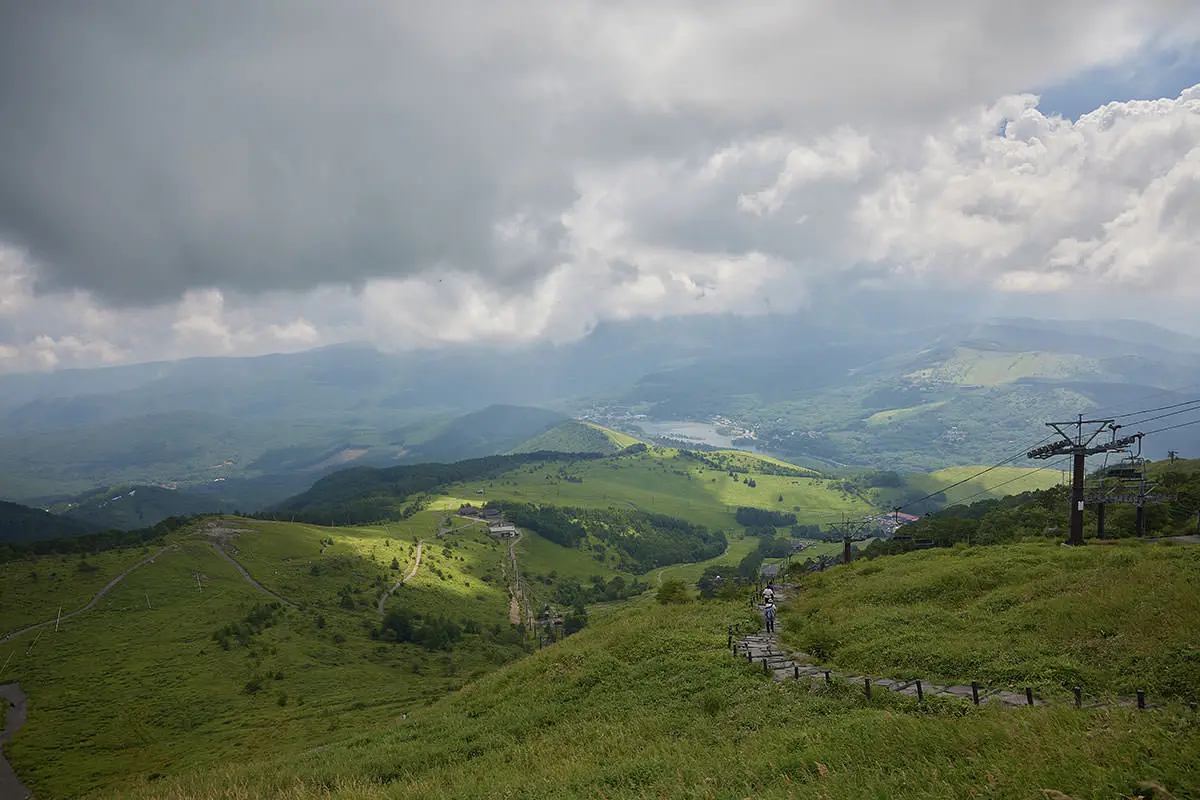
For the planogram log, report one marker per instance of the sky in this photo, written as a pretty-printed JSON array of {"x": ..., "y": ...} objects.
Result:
[{"x": 245, "y": 176}]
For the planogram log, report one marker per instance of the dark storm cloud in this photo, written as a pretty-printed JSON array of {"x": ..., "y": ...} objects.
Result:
[
  {"x": 148, "y": 147},
  {"x": 152, "y": 146}
]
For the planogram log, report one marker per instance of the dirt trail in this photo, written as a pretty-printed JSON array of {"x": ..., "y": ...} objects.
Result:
[
  {"x": 405, "y": 579},
  {"x": 92, "y": 602},
  {"x": 443, "y": 529},
  {"x": 10, "y": 787},
  {"x": 217, "y": 549}
]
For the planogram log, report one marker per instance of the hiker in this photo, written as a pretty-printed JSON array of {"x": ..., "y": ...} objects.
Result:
[
  {"x": 769, "y": 612},
  {"x": 769, "y": 593}
]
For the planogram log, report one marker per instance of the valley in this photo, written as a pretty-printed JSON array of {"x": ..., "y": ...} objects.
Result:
[{"x": 320, "y": 617}]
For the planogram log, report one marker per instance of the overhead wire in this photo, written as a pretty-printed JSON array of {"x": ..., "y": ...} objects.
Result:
[
  {"x": 1111, "y": 409},
  {"x": 1171, "y": 427},
  {"x": 1160, "y": 408},
  {"x": 1159, "y": 416},
  {"x": 1056, "y": 465},
  {"x": 970, "y": 478}
]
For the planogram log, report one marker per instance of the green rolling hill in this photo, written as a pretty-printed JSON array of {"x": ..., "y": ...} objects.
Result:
[
  {"x": 577, "y": 437},
  {"x": 648, "y": 702}
]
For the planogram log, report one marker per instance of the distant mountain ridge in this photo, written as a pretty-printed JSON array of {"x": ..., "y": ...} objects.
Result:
[
  {"x": 814, "y": 389},
  {"x": 20, "y": 523}
]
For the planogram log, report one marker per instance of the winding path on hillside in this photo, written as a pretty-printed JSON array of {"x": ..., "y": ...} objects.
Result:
[
  {"x": 249, "y": 579},
  {"x": 10, "y": 786},
  {"x": 405, "y": 579},
  {"x": 92, "y": 602},
  {"x": 443, "y": 529}
]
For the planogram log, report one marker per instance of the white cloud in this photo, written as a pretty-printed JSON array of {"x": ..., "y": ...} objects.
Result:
[{"x": 468, "y": 174}]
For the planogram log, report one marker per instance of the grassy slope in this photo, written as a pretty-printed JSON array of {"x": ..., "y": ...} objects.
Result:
[
  {"x": 60, "y": 581},
  {"x": 570, "y": 437},
  {"x": 991, "y": 368},
  {"x": 648, "y": 703},
  {"x": 1109, "y": 619},
  {"x": 898, "y": 414},
  {"x": 1000, "y": 481},
  {"x": 662, "y": 481},
  {"x": 127, "y": 689},
  {"x": 621, "y": 440}
]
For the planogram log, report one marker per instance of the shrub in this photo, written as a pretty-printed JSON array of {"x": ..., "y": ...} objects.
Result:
[{"x": 673, "y": 591}]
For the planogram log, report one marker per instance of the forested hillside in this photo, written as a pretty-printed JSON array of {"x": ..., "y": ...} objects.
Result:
[
  {"x": 367, "y": 494},
  {"x": 20, "y": 523},
  {"x": 1170, "y": 510},
  {"x": 644, "y": 540}
]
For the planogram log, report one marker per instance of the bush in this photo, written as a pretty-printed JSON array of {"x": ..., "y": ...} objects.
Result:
[{"x": 673, "y": 591}]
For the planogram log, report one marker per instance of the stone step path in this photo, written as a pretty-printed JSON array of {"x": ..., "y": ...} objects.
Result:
[{"x": 783, "y": 664}]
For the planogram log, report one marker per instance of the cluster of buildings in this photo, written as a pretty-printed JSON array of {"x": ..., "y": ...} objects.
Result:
[{"x": 492, "y": 517}]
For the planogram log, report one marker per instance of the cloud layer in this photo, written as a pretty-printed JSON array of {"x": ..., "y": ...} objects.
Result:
[{"x": 232, "y": 178}]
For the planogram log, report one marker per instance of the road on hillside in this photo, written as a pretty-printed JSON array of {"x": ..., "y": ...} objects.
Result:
[
  {"x": 10, "y": 787},
  {"x": 442, "y": 530},
  {"x": 246, "y": 575},
  {"x": 92, "y": 602}
]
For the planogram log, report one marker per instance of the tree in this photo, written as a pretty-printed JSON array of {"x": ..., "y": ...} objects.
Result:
[{"x": 673, "y": 591}]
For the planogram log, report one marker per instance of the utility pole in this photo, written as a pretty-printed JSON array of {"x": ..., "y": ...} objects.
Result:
[
  {"x": 850, "y": 529},
  {"x": 1079, "y": 446}
]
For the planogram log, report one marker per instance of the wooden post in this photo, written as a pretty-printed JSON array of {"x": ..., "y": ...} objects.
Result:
[
  {"x": 867, "y": 684},
  {"x": 796, "y": 671},
  {"x": 1028, "y": 695},
  {"x": 766, "y": 669},
  {"x": 974, "y": 692},
  {"x": 749, "y": 656},
  {"x": 827, "y": 678},
  {"x": 1078, "y": 697},
  {"x": 1141, "y": 699},
  {"x": 920, "y": 692}
]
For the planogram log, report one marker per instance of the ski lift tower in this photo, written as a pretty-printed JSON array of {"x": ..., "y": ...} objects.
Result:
[{"x": 1079, "y": 444}]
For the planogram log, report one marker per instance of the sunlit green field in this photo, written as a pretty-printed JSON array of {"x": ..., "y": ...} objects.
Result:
[
  {"x": 660, "y": 481},
  {"x": 998, "y": 482}
]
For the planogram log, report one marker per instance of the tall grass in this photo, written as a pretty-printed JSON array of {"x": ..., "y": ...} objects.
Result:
[
  {"x": 648, "y": 703},
  {"x": 1111, "y": 619}
]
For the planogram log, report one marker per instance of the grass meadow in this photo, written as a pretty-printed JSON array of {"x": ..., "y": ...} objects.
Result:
[
  {"x": 649, "y": 703},
  {"x": 138, "y": 685},
  {"x": 1110, "y": 619},
  {"x": 661, "y": 481}
]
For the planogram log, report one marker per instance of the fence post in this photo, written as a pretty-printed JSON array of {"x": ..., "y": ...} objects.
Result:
[
  {"x": 867, "y": 683},
  {"x": 766, "y": 669},
  {"x": 920, "y": 692},
  {"x": 1028, "y": 695},
  {"x": 730, "y": 645},
  {"x": 1078, "y": 697},
  {"x": 1141, "y": 699},
  {"x": 827, "y": 679},
  {"x": 796, "y": 671},
  {"x": 749, "y": 656},
  {"x": 974, "y": 692}
]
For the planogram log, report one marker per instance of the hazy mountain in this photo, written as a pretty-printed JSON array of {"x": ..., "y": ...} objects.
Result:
[
  {"x": 20, "y": 523},
  {"x": 883, "y": 392}
]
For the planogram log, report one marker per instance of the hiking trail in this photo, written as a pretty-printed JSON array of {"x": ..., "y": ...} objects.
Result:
[{"x": 783, "y": 664}]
